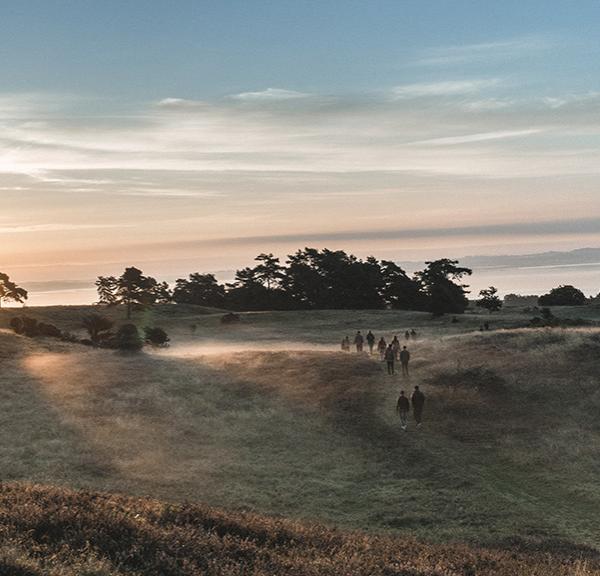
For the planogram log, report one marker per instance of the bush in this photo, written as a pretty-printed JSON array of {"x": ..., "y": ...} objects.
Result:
[
  {"x": 156, "y": 336},
  {"x": 48, "y": 330},
  {"x": 230, "y": 318},
  {"x": 128, "y": 338},
  {"x": 563, "y": 296},
  {"x": 16, "y": 324}
]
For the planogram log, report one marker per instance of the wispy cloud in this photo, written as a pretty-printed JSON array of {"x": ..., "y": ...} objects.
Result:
[
  {"x": 484, "y": 51},
  {"x": 444, "y": 88},
  {"x": 270, "y": 95},
  {"x": 482, "y": 137},
  {"x": 57, "y": 227}
]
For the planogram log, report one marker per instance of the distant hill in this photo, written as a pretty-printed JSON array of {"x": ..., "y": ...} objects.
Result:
[{"x": 571, "y": 258}]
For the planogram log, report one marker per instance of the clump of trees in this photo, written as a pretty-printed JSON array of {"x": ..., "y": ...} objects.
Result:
[
  {"x": 133, "y": 290},
  {"x": 310, "y": 279},
  {"x": 564, "y": 295}
]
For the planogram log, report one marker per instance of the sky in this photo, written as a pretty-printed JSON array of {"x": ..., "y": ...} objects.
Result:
[{"x": 190, "y": 136}]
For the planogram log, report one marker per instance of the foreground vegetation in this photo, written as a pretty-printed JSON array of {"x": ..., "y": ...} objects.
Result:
[{"x": 57, "y": 532}]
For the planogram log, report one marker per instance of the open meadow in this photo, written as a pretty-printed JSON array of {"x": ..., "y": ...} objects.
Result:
[{"x": 269, "y": 415}]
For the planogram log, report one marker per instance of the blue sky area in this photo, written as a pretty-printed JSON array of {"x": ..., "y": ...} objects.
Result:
[{"x": 148, "y": 50}]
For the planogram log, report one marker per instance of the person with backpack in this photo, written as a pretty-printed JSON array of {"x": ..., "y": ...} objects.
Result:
[
  {"x": 402, "y": 409},
  {"x": 370, "y": 341},
  {"x": 390, "y": 357},
  {"x": 418, "y": 401},
  {"x": 404, "y": 359}
]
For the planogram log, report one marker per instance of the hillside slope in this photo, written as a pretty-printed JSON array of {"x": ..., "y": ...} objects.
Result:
[
  {"x": 53, "y": 532},
  {"x": 509, "y": 449}
]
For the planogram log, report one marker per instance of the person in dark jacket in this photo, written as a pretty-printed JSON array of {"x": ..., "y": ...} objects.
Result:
[
  {"x": 404, "y": 358},
  {"x": 390, "y": 357},
  {"x": 402, "y": 408},
  {"x": 359, "y": 341},
  {"x": 382, "y": 347},
  {"x": 396, "y": 346},
  {"x": 370, "y": 341},
  {"x": 418, "y": 401},
  {"x": 346, "y": 344}
]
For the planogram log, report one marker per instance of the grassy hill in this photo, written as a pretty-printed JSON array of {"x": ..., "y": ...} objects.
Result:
[
  {"x": 57, "y": 532},
  {"x": 269, "y": 416}
]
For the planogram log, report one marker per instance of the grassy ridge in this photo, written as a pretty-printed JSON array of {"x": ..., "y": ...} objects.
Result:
[{"x": 57, "y": 532}]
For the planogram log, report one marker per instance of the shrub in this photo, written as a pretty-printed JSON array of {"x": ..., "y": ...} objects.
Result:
[
  {"x": 128, "y": 338},
  {"x": 156, "y": 336},
  {"x": 563, "y": 296},
  {"x": 49, "y": 330},
  {"x": 16, "y": 324},
  {"x": 230, "y": 318},
  {"x": 98, "y": 327}
]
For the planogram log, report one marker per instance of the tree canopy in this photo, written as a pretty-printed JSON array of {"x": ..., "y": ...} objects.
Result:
[
  {"x": 132, "y": 289},
  {"x": 311, "y": 278},
  {"x": 489, "y": 299}
]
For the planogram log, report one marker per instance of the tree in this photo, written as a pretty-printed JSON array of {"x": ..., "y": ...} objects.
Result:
[
  {"x": 132, "y": 289},
  {"x": 10, "y": 292},
  {"x": 443, "y": 295},
  {"x": 200, "y": 289},
  {"x": 399, "y": 291},
  {"x": 489, "y": 299},
  {"x": 269, "y": 271},
  {"x": 246, "y": 292},
  {"x": 97, "y": 327},
  {"x": 566, "y": 295},
  {"x": 333, "y": 279}
]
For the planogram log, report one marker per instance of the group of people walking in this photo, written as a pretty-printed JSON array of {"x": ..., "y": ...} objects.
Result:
[
  {"x": 403, "y": 407},
  {"x": 390, "y": 353}
]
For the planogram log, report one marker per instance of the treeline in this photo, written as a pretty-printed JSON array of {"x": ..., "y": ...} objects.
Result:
[{"x": 310, "y": 279}]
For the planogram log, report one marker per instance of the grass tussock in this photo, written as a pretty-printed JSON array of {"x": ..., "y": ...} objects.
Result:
[{"x": 57, "y": 532}]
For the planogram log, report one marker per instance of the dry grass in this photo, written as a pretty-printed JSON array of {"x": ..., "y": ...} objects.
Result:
[{"x": 54, "y": 532}]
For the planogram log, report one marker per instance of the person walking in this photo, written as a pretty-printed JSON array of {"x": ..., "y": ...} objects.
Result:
[
  {"x": 370, "y": 341},
  {"x": 418, "y": 401},
  {"x": 413, "y": 334},
  {"x": 390, "y": 357},
  {"x": 381, "y": 348},
  {"x": 402, "y": 408},
  {"x": 359, "y": 341},
  {"x": 404, "y": 359},
  {"x": 346, "y": 344},
  {"x": 407, "y": 335},
  {"x": 396, "y": 347}
]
